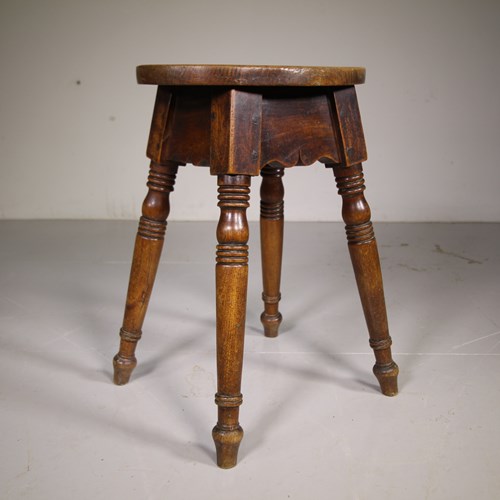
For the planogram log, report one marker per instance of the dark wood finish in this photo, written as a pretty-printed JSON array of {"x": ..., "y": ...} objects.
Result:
[
  {"x": 158, "y": 133},
  {"x": 242, "y": 121},
  {"x": 249, "y": 76},
  {"x": 148, "y": 247},
  {"x": 271, "y": 241},
  {"x": 231, "y": 278},
  {"x": 235, "y": 133},
  {"x": 297, "y": 129},
  {"x": 180, "y": 129},
  {"x": 366, "y": 264},
  {"x": 349, "y": 129}
]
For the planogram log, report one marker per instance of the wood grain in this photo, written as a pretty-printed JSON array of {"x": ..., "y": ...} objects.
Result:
[
  {"x": 249, "y": 76},
  {"x": 271, "y": 244},
  {"x": 235, "y": 133},
  {"x": 231, "y": 278},
  {"x": 147, "y": 252},
  {"x": 366, "y": 264}
]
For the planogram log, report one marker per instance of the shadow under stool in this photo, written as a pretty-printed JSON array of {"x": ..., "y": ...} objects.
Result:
[{"x": 245, "y": 121}]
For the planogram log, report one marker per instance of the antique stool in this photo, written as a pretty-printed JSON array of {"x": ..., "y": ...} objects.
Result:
[{"x": 244, "y": 121}]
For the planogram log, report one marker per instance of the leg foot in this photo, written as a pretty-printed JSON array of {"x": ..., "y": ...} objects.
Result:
[
  {"x": 227, "y": 443},
  {"x": 123, "y": 368},
  {"x": 271, "y": 323},
  {"x": 387, "y": 376}
]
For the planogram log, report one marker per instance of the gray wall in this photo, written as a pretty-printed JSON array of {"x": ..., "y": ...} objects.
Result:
[{"x": 73, "y": 123}]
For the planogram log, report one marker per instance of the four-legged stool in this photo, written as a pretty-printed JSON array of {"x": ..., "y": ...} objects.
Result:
[{"x": 244, "y": 121}]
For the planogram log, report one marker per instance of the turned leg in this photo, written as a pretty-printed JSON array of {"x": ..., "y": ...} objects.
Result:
[
  {"x": 366, "y": 264},
  {"x": 231, "y": 277},
  {"x": 147, "y": 251},
  {"x": 271, "y": 241}
]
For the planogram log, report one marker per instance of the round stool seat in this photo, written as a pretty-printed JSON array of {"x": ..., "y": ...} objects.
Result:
[{"x": 252, "y": 76}]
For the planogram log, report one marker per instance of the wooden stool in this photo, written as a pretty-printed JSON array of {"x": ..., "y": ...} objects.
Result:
[{"x": 244, "y": 121}]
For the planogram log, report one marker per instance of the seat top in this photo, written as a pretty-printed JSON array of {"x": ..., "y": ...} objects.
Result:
[{"x": 253, "y": 76}]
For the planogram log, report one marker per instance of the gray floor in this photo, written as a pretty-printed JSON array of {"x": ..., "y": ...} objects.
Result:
[{"x": 316, "y": 425}]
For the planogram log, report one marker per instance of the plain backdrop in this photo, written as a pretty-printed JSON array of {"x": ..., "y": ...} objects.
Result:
[{"x": 74, "y": 124}]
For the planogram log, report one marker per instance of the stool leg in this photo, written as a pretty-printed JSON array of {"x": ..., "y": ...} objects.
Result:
[
  {"x": 147, "y": 251},
  {"x": 271, "y": 241},
  {"x": 366, "y": 264},
  {"x": 231, "y": 278}
]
